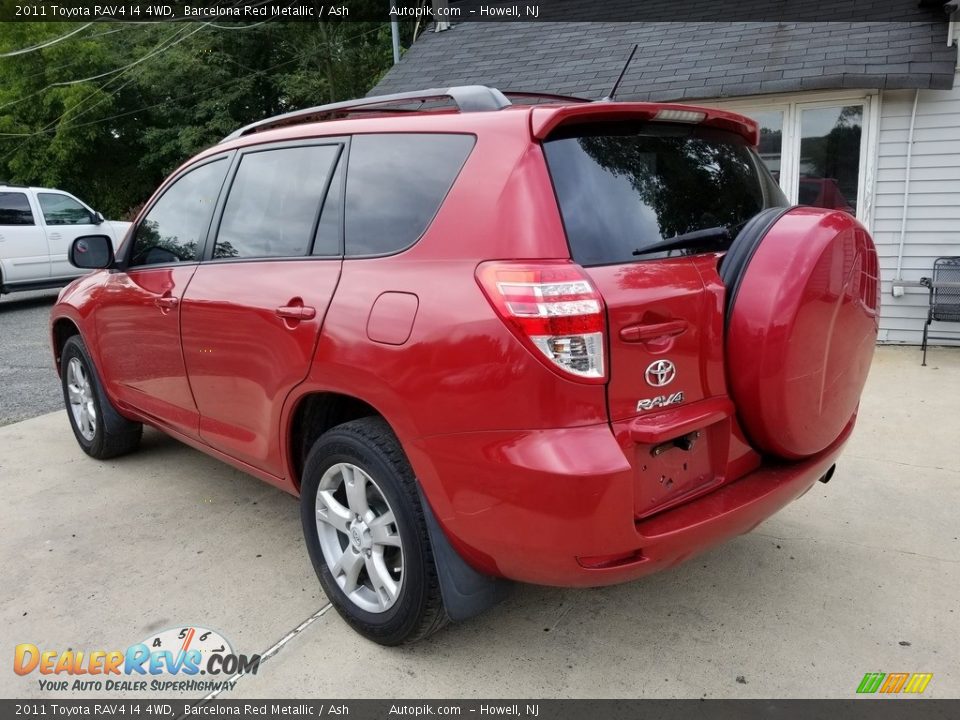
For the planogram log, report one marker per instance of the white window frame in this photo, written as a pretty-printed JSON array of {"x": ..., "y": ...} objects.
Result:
[{"x": 792, "y": 106}]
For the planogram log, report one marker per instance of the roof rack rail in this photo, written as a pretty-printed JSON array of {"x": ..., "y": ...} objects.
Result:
[{"x": 467, "y": 98}]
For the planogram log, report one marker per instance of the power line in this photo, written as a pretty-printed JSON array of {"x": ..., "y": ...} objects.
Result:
[
  {"x": 163, "y": 45},
  {"x": 109, "y": 72},
  {"x": 242, "y": 27},
  {"x": 188, "y": 95},
  {"x": 123, "y": 70},
  {"x": 52, "y": 85},
  {"x": 72, "y": 63},
  {"x": 148, "y": 107},
  {"x": 24, "y": 51},
  {"x": 128, "y": 66},
  {"x": 296, "y": 57}
]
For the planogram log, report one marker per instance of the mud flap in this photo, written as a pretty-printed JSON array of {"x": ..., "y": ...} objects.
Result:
[{"x": 465, "y": 591}]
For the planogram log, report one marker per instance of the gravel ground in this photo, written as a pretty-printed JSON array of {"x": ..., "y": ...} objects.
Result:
[{"x": 28, "y": 383}]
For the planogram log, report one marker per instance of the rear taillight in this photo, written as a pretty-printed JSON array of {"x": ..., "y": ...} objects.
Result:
[{"x": 554, "y": 309}]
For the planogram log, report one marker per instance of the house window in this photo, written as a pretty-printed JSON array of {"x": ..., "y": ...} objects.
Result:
[
  {"x": 815, "y": 148},
  {"x": 830, "y": 157},
  {"x": 771, "y": 139}
]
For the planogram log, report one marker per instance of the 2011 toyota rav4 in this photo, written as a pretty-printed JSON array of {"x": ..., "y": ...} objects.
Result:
[{"x": 568, "y": 343}]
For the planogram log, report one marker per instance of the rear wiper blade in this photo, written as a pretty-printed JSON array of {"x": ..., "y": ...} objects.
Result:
[{"x": 694, "y": 238}]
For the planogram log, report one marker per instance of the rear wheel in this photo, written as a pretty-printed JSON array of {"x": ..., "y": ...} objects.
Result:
[
  {"x": 100, "y": 430},
  {"x": 366, "y": 535}
]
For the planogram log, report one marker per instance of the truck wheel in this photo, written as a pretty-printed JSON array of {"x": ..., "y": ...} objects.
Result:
[
  {"x": 366, "y": 535},
  {"x": 100, "y": 430}
]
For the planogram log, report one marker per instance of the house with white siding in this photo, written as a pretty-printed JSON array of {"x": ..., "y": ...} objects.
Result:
[{"x": 863, "y": 116}]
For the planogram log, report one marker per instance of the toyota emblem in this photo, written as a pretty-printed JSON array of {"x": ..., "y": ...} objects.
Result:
[{"x": 660, "y": 373}]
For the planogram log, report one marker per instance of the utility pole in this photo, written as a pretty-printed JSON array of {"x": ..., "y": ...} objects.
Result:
[
  {"x": 440, "y": 8},
  {"x": 394, "y": 32}
]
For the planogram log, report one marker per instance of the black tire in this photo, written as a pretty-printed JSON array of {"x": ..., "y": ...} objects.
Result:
[
  {"x": 113, "y": 434},
  {"x": 369, "y": 444}
]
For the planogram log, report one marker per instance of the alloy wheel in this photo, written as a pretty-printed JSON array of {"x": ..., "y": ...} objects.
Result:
[
  {"x": 359, "y": 537},
  {"x": 80, "y": 393}
]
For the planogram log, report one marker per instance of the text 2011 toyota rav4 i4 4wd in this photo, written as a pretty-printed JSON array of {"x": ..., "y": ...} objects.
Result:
[{"x": 568, "y": 343}]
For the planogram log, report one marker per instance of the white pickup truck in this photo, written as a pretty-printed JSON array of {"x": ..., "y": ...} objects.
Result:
[{"x": 37, "y": 226}]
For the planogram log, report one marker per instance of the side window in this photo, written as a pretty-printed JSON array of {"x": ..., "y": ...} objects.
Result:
[
  {"x": 330, "y": 227},
  {"x": 60, "y": 209},
  {"x": 178, "y": 221},
  {"x": 395, "y": 185},
  {"x": 15, "y": 209},
  {"x": 274, "y": 202}
]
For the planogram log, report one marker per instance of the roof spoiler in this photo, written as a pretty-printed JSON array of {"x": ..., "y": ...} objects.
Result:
[{"x": 545, "y": 120}]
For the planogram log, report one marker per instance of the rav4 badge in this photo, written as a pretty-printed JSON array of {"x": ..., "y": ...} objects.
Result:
[{"x": 660, "y": 401}]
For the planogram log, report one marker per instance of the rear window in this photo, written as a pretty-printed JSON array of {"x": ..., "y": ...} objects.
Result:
[
  {"x": 15, "y": 209},
  {"x": 625, "y": 187}
]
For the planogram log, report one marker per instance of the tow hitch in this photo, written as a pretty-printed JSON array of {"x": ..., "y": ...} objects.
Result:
[{"x": 684, "y": 442}]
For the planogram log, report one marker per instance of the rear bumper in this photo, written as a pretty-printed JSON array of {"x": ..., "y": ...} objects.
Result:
[{"x": 555, "y": 507}]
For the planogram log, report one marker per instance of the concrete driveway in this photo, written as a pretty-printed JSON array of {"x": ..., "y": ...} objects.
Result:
[{"x": 861, "y": 575}]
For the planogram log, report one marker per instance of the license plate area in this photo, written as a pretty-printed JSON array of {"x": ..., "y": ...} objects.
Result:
[{"x": 671, "y": 472}]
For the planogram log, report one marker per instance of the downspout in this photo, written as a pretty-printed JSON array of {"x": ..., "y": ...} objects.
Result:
[{"x": 898, "y": 290}]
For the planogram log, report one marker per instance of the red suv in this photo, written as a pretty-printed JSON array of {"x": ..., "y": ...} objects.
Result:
[{"x": 568, "y": 343}]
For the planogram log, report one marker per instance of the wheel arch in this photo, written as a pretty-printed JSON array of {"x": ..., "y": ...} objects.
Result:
[
  {"x": 466, "y": 592},
  {"x": 314, "y": 412},
  {"x": 61, "y": 330}
]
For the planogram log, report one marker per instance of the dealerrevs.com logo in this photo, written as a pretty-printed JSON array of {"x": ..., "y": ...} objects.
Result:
[{"x": 175, "y": 660}]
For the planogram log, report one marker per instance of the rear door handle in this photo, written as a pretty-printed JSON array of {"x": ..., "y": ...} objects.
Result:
[
  {"x": 166, "y": 302},
  {"x": 646, "y": 333},
  {"x": 296, "y": 312}
]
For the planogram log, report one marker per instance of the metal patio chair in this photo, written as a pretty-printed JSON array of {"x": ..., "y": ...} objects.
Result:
[{"x": 944, "y": 289}]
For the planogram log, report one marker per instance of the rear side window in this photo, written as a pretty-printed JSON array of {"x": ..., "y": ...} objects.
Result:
[
  {"x": 625, "y": 187},
  {"x": 15, "y": 209},
  {"x": 395, "y": 185},
  {"x": 274, "y": 202},
  {"x": 179, "y": 220}
]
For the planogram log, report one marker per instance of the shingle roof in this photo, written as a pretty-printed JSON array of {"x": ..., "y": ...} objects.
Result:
[{"x": 679, "y": 61}]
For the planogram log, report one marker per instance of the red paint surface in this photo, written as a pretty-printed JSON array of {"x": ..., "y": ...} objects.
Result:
[{"x": 803, "y": 331}]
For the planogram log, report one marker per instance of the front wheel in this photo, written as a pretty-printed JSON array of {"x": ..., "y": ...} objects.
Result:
[
  {"x": 366, "y": 535},
  {"x": 100, "y": 430}
]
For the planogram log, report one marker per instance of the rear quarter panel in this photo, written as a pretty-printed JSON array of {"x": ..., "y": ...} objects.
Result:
[{"x": 461, "y": 370}]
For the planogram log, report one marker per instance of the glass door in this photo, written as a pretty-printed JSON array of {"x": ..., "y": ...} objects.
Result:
[
  {"x": 816, "y": 150},
  {"x": 830, "y": 144}
]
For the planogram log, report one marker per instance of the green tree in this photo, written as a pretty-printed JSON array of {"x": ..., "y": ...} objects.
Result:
[{"x": 110, "y": 111}]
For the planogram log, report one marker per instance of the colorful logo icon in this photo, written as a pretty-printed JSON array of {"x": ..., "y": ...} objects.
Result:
[{"x": 892, "y": 683}]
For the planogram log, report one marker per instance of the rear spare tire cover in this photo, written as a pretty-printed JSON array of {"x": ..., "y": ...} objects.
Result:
[{"x": 802, "y": 318}]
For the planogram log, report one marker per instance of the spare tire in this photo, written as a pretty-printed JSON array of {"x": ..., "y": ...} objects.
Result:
[{"x": 803, "y": 299}]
